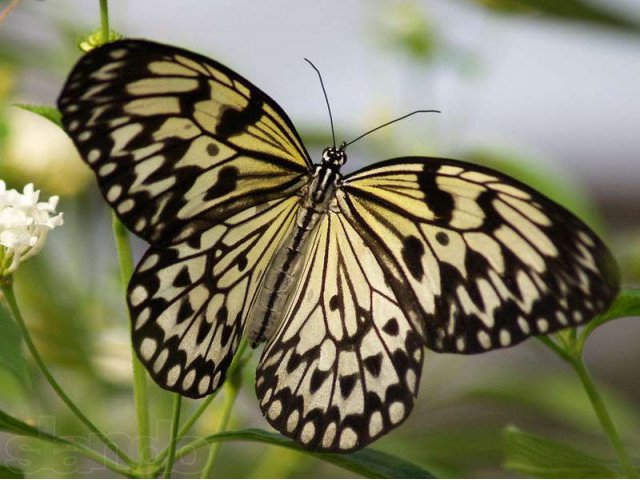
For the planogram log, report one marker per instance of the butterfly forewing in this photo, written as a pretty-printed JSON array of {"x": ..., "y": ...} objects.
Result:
[
  {"x": 177, "y": 141},
  {"x": 344, "y": 366},
  {"x": 485, "y": 261},
  {"x": 203, "y": 165}
]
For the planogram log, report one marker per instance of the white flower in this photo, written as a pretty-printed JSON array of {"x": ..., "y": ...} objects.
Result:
[{"x": 24, "y": 225}]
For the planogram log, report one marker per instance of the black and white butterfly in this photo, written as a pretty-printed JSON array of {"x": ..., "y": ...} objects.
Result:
[{"x": 347, "y": 278}]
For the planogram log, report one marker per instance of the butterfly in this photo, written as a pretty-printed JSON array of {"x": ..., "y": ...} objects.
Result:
[{"x": 346, "y": 278}]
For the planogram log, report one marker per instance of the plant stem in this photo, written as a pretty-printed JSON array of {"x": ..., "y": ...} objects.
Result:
[
  {"x": 232, "y": 387},
  {"x": 603, "y": 415},
  {"x": 555, "y": 347},
  {"x": 7, "y": 289},
  {"x": 197, "y": 414},
  {"x": 238, "y": 362},
  {"x": 139, "y": 375},
  {"x": 231, "y": 390},
  {"x": 188, "y": 424},
  {"x": 175, "y": 422},
  {"x": 104, "y": 20},
  {"x": 99, "y": 458}
]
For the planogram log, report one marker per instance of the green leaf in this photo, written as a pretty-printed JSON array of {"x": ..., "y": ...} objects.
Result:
[
  {"x": 569, "y": 10},
  {"x": 627, "y": 304},
  {"x": 367, "y": 462},
  {"x": 7, "y": 471},
  {"x": 18, "y": 427},
  {"x": 536, "y": 456},
  {"x": 50, "y": 113},
  {"x": 557, "y": 397},
  {"x": 11, "y": 356}
]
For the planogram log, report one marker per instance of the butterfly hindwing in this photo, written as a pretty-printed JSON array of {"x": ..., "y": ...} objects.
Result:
[
  {"x": 189, "y": 300},
  {"x": 344, "y": 366},
  {"x": 485, "y": 260},
  {"x": 177, "y": 141}
]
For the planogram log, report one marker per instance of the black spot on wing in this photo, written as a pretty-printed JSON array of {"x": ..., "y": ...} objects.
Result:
[
  {"x": 227, "y": 330},
  {"x": 182, "y": 279},
  {"x": 347, "y": 382},
  {"x": 442, "y": 238},
  {"x": 412, "y": 252},
  {"x": 373, "y": 364},
  {"x": 294, "y": 362},
  {"x": 225, "y": 184},
  {"x": 391, "y": 327},
  {"x": 203, "y": 330},
  {"x": 194, "y": 241},
  {"x": 317, "y": 379},
  {"x": 439, "y": 202},
  {"x": 212, "y": 149},
  {"x": 222, "y": 315},
  {"x": 185, "y": 311},
  {"x": 334, "y": 303},
  {"x": 233, "y": 122},
  {"x": 242, "y": 262}
]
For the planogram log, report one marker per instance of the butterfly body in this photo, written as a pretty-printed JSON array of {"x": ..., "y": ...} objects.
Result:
[
  {"x": 285, "y": 268},
  {"x": 347, "y": 278}
]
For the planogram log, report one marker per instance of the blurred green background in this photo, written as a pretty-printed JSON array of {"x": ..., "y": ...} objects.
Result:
[{"x": 544, "y": 90}]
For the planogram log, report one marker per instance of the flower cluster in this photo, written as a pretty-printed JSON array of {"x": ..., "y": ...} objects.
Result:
[{"x": 24, "y": 225}]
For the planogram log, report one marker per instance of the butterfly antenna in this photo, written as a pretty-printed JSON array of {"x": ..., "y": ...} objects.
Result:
[
  {"x": 389, "y": 123},
  {"x": 326, "y": 98}
]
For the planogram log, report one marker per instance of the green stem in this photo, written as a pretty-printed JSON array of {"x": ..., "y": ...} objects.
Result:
[
  {"x": 231, "y": 390},
  {"x": 99, "y": 458},
  {"x": 197, "y": 414},
  {"x": 603, "y": 415},
  {"x": 555, "y": 347},
  {"x": 238, "y": 362},
  {"x": 232, "y": 387},
  {"x": 6, "y": 285},
  {"x": 188, "y": 424},
  {"x": 104, "y": 20},
  {"x": 175, "y": 422},
  {"x": 139, "y": 375}
]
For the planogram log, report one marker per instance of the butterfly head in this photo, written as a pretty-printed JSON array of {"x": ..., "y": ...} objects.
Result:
[{"x": 334, "y": 156}]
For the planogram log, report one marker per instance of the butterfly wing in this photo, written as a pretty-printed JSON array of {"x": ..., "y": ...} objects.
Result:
[
  {"x": 177, "y": 141},
  {"x": 343, "y": 368},
  {"x": 189, "y": 300},
  {"x": 203, "y": 165},
  {"x": 476, "y": 258}
]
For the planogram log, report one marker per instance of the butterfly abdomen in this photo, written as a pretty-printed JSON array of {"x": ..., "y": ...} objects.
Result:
[{"x": 285, "y": 268}]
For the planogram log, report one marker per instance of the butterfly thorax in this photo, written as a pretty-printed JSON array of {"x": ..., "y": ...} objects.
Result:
[
  {"x": 325, "y": 178},
  {"x": 285, "y": 268}
]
